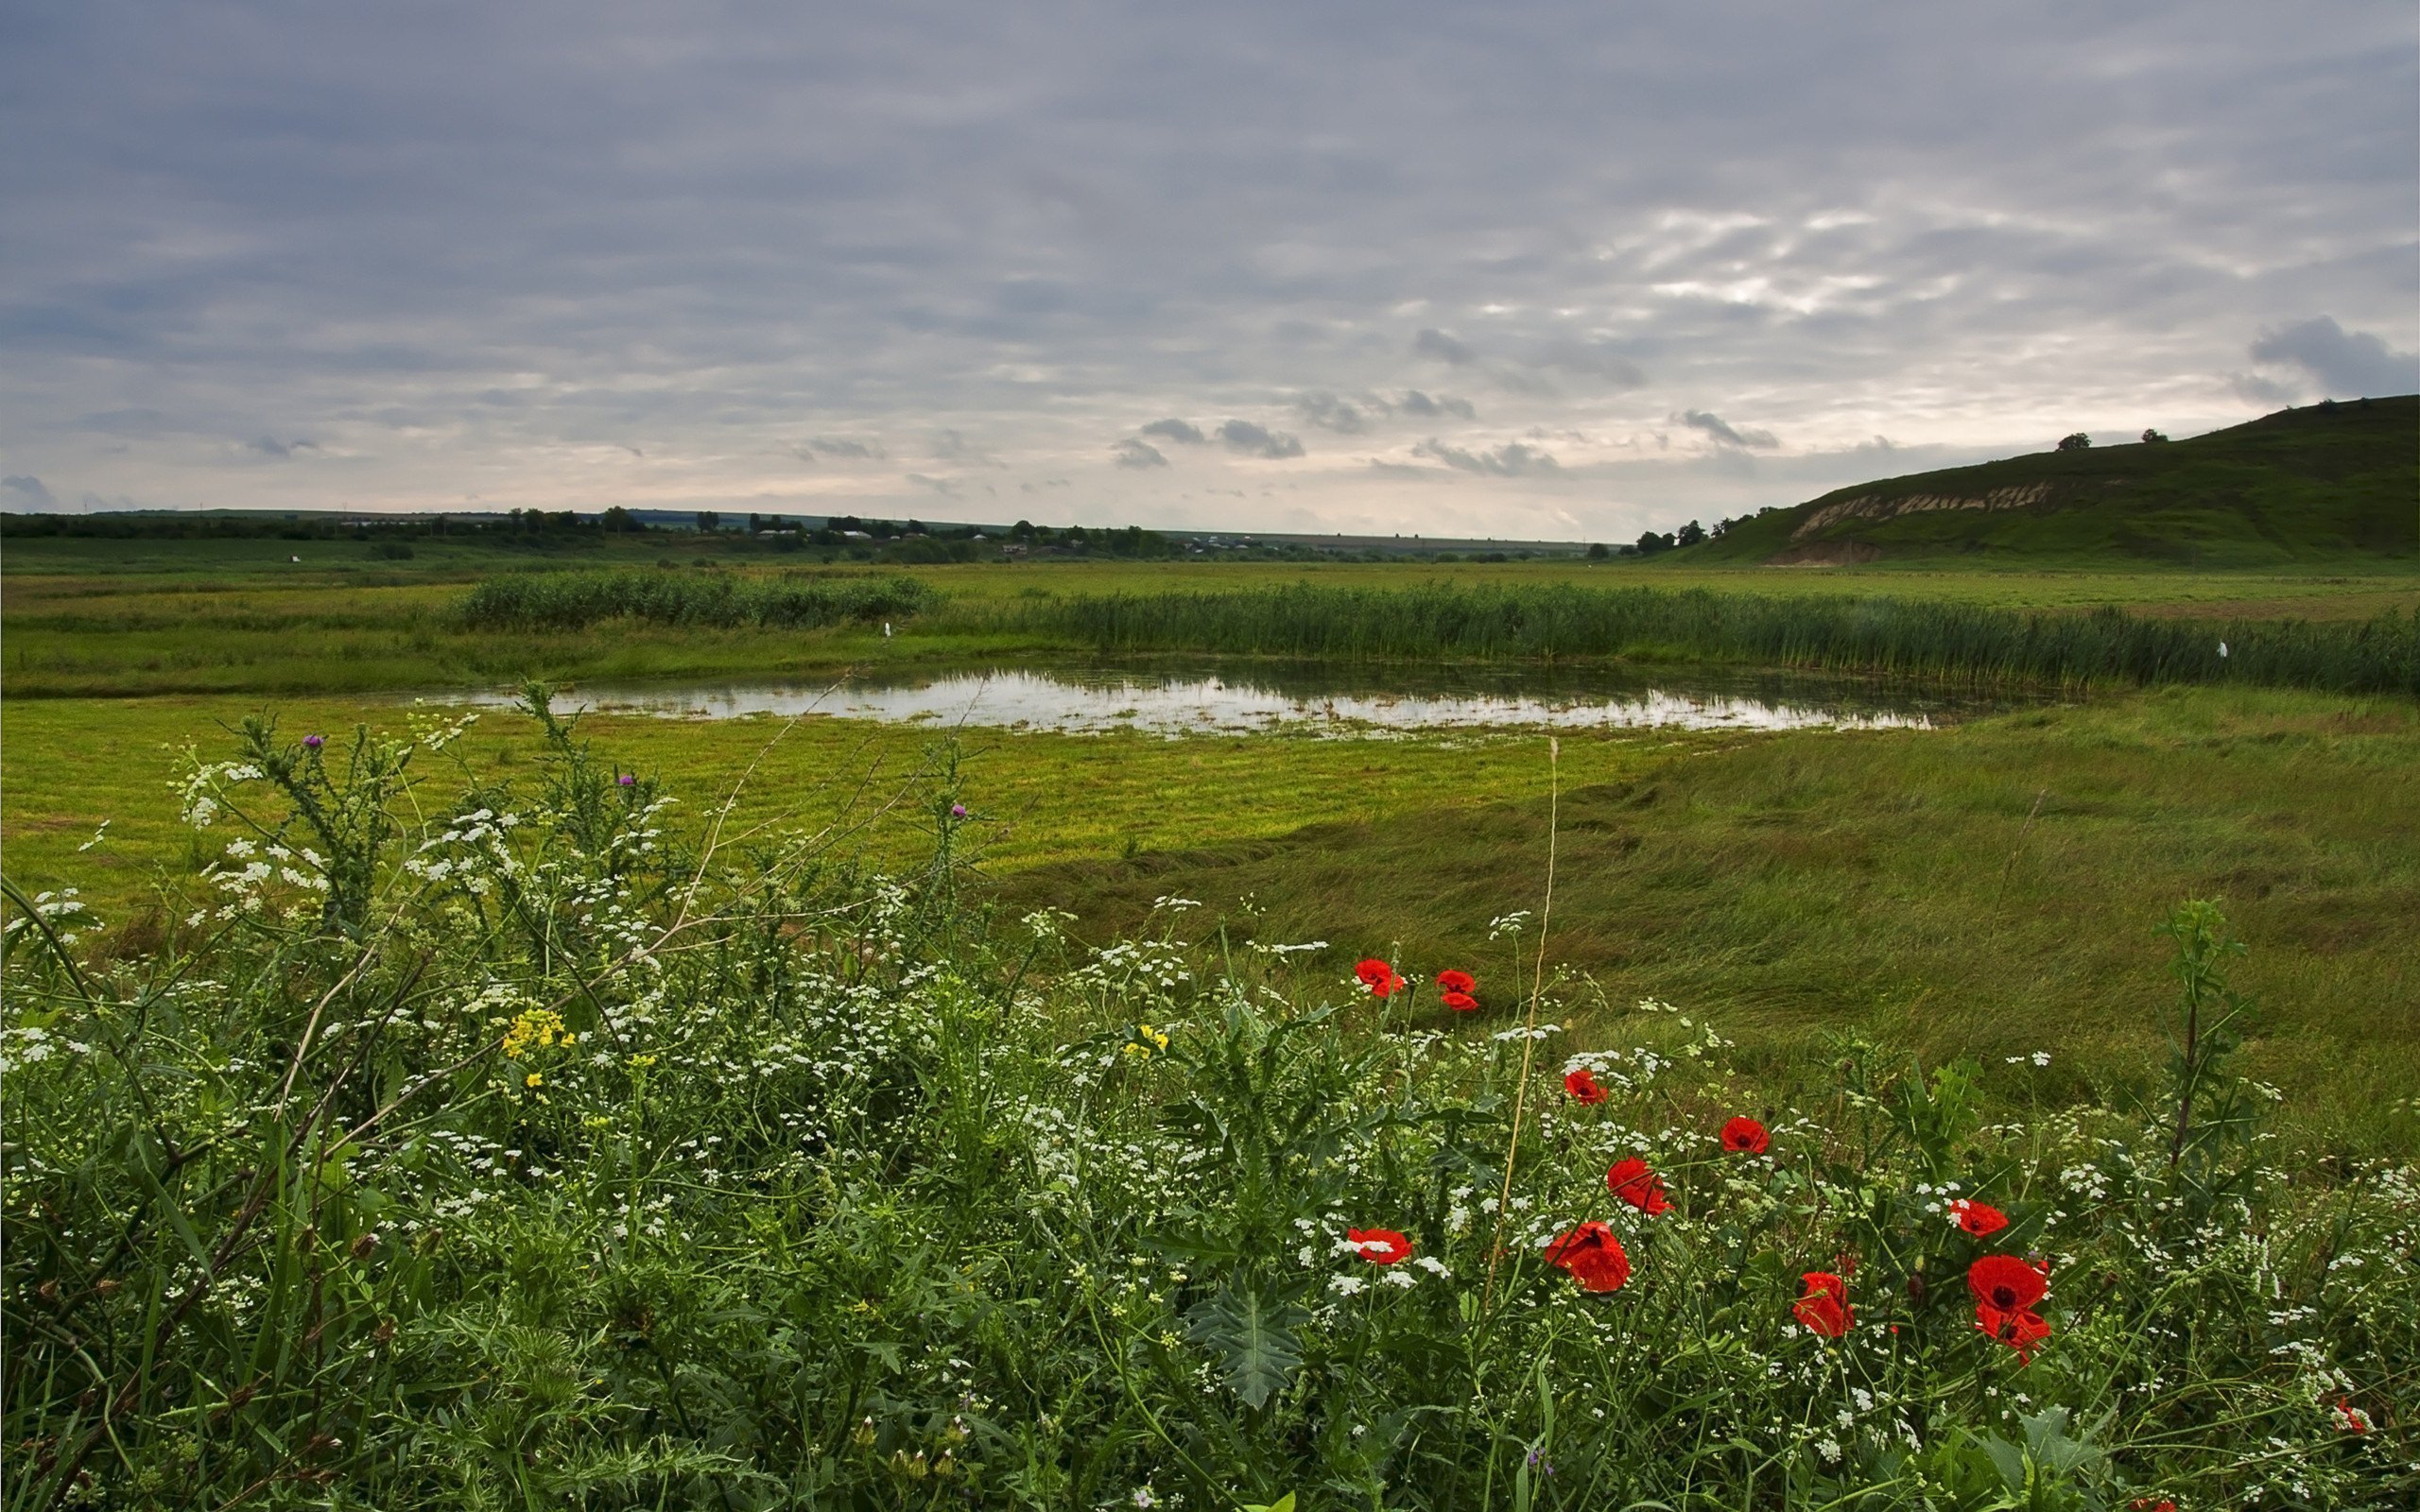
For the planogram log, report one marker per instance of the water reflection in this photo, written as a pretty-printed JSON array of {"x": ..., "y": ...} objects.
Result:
[{"x": 1200, "y": 698}]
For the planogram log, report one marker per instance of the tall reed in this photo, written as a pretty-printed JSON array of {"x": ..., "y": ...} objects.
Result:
[
  {"x": 570, "y": 601},
  {"x": 1874, "y": 635}
]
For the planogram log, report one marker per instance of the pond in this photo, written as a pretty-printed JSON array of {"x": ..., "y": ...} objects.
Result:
[{"x": 1222, "y": 698}]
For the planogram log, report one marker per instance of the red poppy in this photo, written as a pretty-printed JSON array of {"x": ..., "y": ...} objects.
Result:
[
  {"x": 2007, "y": 1283},
  {"x": 1745, "y": 1136},
  {"x": 1457, "y": 982},
  {"x": 1458, "y": 1002},
  {"x": 1977, "y": 1218},
  {"x": 1581, "y": 1086},
  {"x": 1593, "y": 1255},
  {"x": 2144, "y": 1503},
  {"x": 1632, "y": 1181},
  {"x": 2349, "y": 1418},
  {"x": 1379, "y": 1246},
  {"x": 1378, "y": 977},
  {"x": 2020, "y": 1330},
  {"x": 2006, "y": 1289},
  {"x": 1824, "y": 1305}
]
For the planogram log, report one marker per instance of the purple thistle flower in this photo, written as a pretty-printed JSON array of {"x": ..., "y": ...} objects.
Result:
[
  {"x": 627, "y": 780},
  {"x": 315, "y": 741},
  {"x": 958, "y": 811}
]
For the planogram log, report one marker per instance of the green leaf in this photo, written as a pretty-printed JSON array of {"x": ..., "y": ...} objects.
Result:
[{"x": 1252, "y": 1337}]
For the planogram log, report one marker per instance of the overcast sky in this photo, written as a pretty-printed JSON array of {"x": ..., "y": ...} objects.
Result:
[{"x": 1511, "y": 269}]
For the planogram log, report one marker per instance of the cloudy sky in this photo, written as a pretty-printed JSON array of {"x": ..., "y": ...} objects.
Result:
[{"x": 1514, "y": 270}]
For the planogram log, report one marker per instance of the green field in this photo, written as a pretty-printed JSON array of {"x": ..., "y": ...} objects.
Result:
[
  {"x": 833, "y": 1190},
  {"x": 232, "y": 621}
]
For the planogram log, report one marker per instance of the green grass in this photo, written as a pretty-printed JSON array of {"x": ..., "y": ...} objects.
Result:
[
  {"x": 1803, "y": 882},
  {"x": 1989, "y": 889},
  {"x": 2290, "y": 487},
  {"x": 559, "y": 1150}
]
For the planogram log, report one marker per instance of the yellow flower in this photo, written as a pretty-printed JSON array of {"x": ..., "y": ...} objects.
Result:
[
  {"x": 536, "y": 1027},
  {"x": 534, "y": 1079}
]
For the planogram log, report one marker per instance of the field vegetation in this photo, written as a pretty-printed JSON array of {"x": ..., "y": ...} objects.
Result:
[
  {"x": 1879, "y": 636},
  {"x": 432, "y": 1113},
  {"x": 77, "y": 626},
  {"x": 575, "y": 601},
  {"x": 481, "y": 1143}
]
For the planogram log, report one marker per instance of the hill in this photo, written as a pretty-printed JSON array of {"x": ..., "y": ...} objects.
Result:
[{"x": 2300, "y": 485}]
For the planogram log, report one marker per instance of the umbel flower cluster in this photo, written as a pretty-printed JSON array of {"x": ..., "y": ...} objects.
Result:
[{"x": 561, "y": 1154}]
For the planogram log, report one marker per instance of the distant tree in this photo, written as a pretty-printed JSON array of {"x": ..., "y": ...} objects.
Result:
[
  {"x": 1650, "y": 543},
  {"x": 1596, "y": 553},
  {"x": 2077, "y": 442},
  {"x": 708, "y": 522},
  {"x": 1022, "y": 530},
  {"x": 617, "y": 520},
  {"x": 2150, "y": 437},
  {"x": 1690, "y": 535}
]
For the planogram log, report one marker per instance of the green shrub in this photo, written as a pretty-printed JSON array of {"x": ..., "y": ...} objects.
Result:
[{"x": 583, "y": 1158}]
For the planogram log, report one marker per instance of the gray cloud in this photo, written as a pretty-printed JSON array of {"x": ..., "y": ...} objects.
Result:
[
  {"x": 2264, "y": 392},
  {"x": 951, "y": 446},
  {"x": 840, "y": 446},
  {"x": 270, "y": 446},
  {"x": 1328, "y": 412},
  {"x": 1439, "y": 347},
  {"x": 1724, "y": 435},
  {"x": 1429, "y": 408},
  {"x": 2347, "y": 363},
  {"x": 1135, "y": 454},
  {"x": 32, "y": 489},
  {"x": 947, "y": 488},
  {"x": 1591, "y": 360},
  {"x": 1514, "y": 459},
  {"x": 122, "y": 422},
  {"x": 1255, "y": 441},
  {"x": 447, "y": 247},
  {"x": 1176, "y": 430}
]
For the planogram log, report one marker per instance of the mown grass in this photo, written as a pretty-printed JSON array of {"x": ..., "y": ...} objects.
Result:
[
  {"x": 483, "y": 1146},
  {"x": 1803, "y": 882},
  {"x": 1903, "y": 637}
]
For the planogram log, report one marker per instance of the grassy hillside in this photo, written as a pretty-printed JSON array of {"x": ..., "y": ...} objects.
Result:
[{"x": 2298, "y": 486}]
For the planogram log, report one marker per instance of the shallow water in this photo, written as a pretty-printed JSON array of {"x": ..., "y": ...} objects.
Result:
[{"x": 1247, "y": 698}]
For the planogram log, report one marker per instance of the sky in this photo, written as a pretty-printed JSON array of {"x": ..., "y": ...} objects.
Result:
[{"x": 1519, "y": 269}]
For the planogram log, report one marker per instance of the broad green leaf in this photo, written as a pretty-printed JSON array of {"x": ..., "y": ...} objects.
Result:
[{"x": 1254, "y": 1338}]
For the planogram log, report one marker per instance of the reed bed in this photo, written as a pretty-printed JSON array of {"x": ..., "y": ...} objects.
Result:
[
  {"x": 571, "y": 601},
  {"x": 1888, "y": 636}
]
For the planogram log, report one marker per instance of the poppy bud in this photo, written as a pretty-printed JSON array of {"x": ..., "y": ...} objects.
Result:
[
  {"x": 363, "y": 1246},
  {"x": 108, "y": 1288}
]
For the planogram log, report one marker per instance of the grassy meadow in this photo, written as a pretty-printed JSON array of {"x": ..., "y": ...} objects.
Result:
[
  {"x": 762, "y": 1113},
  {"x": 99, "y": 618}
]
